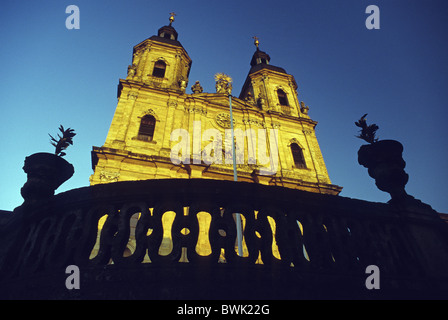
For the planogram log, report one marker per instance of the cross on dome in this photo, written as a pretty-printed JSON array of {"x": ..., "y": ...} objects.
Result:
[
  {"x": 172, "y": 14},
  {"x": 256, "y": 42}
]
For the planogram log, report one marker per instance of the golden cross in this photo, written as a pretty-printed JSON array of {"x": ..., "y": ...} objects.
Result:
[
  {"x": 172, "y": 14},
  {"x": 256, "y": 42}
]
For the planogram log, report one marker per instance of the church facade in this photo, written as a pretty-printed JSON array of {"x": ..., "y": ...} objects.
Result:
[{"x": 159, "y": 131}]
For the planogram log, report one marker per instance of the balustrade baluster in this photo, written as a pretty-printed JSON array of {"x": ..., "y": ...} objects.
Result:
[
  {"x": 265, "y": 239},
  {"x": 107, "y": 234}
]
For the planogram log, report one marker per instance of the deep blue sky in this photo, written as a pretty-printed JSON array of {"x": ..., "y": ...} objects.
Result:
[{"x": 398, "y": 74}]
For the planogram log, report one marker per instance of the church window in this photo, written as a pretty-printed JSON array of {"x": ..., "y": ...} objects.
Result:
[
  {"x": 282, "y": 97},
  {"x": 167, "y": 36},
  {"x": 297, "y": 155},
  {"x": 147, "y": 126},
  {"x": 159, "y": 69}
]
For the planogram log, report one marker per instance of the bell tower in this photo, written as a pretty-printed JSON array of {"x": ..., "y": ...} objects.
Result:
[
  {"x": 274, "y": 94},
  {"x": 161, "y": 61},
  {"x": 272, "y": 88},
  {"x": 138, "y": 143}
]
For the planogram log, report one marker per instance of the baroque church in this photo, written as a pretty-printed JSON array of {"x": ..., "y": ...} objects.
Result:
[
  {"x": 182, "y": 232},
  {"x": 153, "y": 102}
]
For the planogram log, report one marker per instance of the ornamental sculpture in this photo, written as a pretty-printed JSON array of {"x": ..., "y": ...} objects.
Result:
[
  {"x": 64, "y": 141},
  {"x": 223, "y": 120},
  {"x": 223, "y": 83},
  {"x": 384, "y": 162}
]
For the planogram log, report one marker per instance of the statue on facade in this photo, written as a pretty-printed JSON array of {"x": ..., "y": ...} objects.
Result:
[
  {"x": 223, "y": 83},
  {"x": 249, "y": 98},
  {"x": 261, "y": 102},
  {"x": 183, "y": 85},
  {"x": 303, "y": 108},
  {"x": 131, "y": 71}
]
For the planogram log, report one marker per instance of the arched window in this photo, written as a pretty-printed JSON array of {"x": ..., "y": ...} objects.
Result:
[
  {"x": 297, "y": 155},
  {"x": 147, "y": 126},
  {"x": 159, "y": 69},
  {"x": 166, "y": 35},
  {"x": 282, "y": 99}
]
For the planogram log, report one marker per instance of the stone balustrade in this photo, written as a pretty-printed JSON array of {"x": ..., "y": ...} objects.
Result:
[{"x": 296, "y": 244}]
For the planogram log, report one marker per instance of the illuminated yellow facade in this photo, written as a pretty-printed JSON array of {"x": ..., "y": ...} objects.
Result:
[{"x": 153, "y": 104}]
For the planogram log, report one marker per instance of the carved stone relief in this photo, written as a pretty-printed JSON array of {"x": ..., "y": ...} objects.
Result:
[
  {"x": 223, "y": 120},
  {"x": 107, "y": 176}
]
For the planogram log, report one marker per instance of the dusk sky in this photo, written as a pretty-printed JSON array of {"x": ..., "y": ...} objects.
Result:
[{"x": 398, "y": 75}]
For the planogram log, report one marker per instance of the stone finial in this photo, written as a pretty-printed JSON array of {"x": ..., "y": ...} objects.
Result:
[{"x": 197, "y": 88}]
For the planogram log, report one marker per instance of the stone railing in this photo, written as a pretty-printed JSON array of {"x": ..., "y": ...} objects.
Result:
[{"x": 296, "y": 244}]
